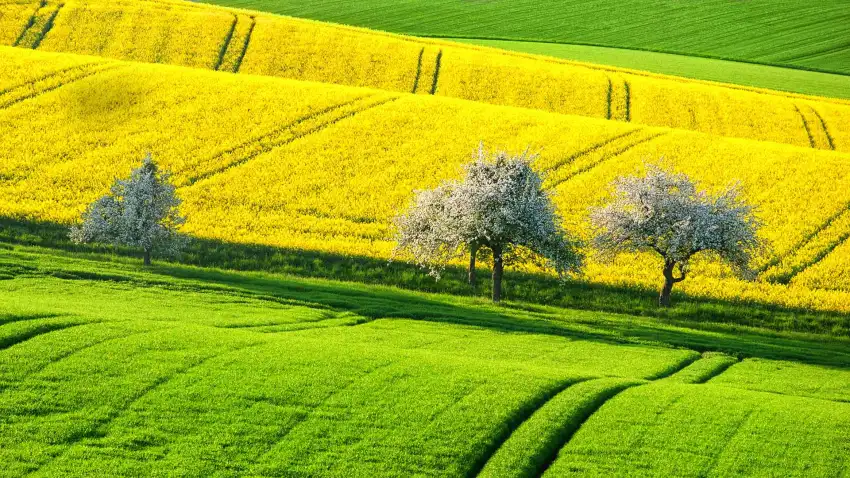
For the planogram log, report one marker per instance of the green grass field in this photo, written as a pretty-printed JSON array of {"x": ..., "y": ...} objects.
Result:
[
  {"x": 800, "y": 34},
  {"x": 739, "y": 73},
  {"x": 111, "y": 368}
]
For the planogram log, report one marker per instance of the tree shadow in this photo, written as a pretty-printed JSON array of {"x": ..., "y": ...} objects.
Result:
[{"x": 601, "y": 313}]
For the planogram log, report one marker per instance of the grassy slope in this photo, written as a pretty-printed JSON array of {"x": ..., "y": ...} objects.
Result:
[
  {"x": 747, "y": 74},
  {"x": 108, "y": 367},
  {"x": 794, "y": 33}
]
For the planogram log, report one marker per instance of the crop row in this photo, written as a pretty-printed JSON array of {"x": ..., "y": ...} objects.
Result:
[{"x": 210, "y": 37}]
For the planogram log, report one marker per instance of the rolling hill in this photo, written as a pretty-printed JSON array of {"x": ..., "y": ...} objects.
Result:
[
  {"x": 109, "y": 369},
  {"x": 310, "y": 166},
  {"x": 194, "y": 35}
]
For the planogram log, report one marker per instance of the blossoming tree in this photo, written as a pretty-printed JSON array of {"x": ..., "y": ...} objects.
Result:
[
  {"x": 663, "y": 212},
  {"x": 500, "y": 205},
  {"x": 140, "y": 211}
]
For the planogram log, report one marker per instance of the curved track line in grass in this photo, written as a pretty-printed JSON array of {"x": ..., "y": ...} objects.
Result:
[
  {"x": 11, "y": 319},
  {"x": 601, "y": 160},
  {"x": 703, "y": 369},
  {"x": 10, "y": 341},
  {"x": 536, "y": 442},
  {"x": 304, "y": 416},
  {"x": 120, "y": 410},
  {"x": 726, "y": 441},
  {"x": 582, "y": 415},
  {"x": 294, "y": 137},
  {"x": 226, "y": 44},
  {"x": 82, "y": 349},
  {"x": 517, "y": 419}
]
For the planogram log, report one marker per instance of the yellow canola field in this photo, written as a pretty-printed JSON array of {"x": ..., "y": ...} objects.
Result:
[
  {"x": 203, "y": 36},
  {"x": 325, "y": 168}
]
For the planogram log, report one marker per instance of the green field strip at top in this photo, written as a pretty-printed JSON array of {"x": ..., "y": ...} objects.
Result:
[
  {"x": 300, "y": 128},
  {"x": 533, "y": 445},
  {"x": 52, "y": 82},
  {"x": 39, "y": 26},
  {"x": 779, "y": 78},
  {"x": 236, "y": 43},
  {"x": 811, "y": 250},
  {"x": 710, "y": 365}
]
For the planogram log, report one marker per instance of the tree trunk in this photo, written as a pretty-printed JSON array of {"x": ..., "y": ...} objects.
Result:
[
  {"x": 147, "y": 259},
  {"x": 669, "y": 280},
  {"x": 473, "y": 252},
  {"x": 498, "y": 269}
]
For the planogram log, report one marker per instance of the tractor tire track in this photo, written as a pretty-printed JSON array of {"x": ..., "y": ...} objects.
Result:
[
  {"x": 242, "y": 53},
  {"x": 604, "y": 158},
  {"x": 225, "y": 46},
  {"x": 293, "y": 136},
  {"x": 5, "y": 104},
  {"x": 116, "y": 413}
]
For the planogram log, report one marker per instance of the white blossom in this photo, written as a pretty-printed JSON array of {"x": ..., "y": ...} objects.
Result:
[
  {"x": 140, "y": 211},
  {"x": 500, "y": 205},
  {"x": 665, "y": 213}
]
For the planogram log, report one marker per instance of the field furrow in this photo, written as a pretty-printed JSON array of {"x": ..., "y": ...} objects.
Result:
[
  {"x": 811, "y": 250},
  {"x": 298, "y": 129},
  {"x": 16, "y": 19},
  {"x": 706, "y": 368},
  {"x": 597, "y": 155},
  {"x": 237, "y": 45},
  {"x": 40, "y": 24},
  {"x": 191, "y": 35},
  {"x": 619, "y": 99},
  {"x": 533, "y": 445},
  {"x": 824, "y": 128},
  {"x": 225, "y": 45},
  {"x": 713, "y": 427},
  {"x": 11, "y": 336},
  {"x": 50, "y": 83}
]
